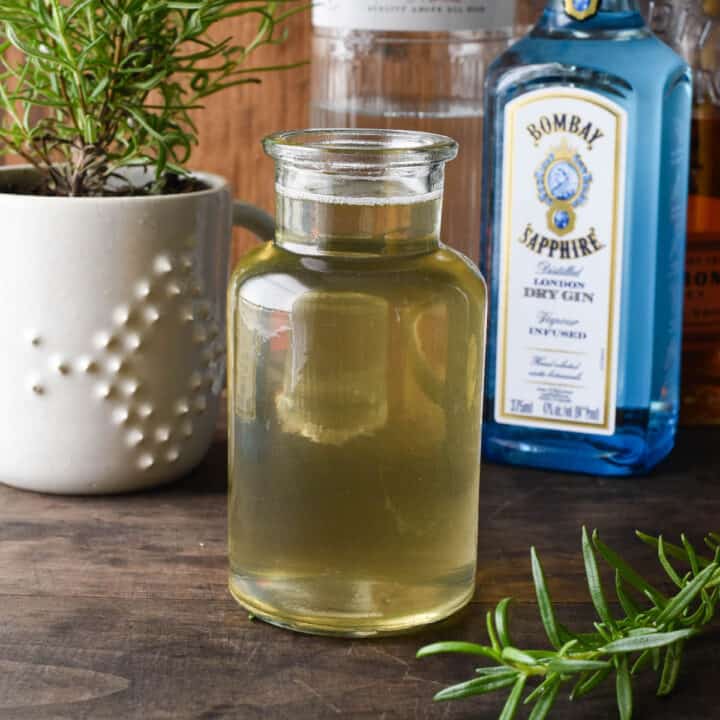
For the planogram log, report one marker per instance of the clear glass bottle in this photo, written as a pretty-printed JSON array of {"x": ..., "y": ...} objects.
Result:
[
  {"x": 587, "y": 145},
  {"x": 692, "y": 27},
  {"x": 413, "y": 65},
  {"x": 356, "y": 349}
]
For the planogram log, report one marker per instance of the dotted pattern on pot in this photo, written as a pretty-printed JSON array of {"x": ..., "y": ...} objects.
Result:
[{"x": 171, "y": 292}]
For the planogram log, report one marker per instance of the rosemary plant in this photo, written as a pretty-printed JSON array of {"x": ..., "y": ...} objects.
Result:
[
  {"x": 88, "y": 87},
  {"x": 651, "y": 635}
]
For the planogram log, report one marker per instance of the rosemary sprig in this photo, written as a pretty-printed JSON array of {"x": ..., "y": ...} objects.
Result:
[{"x": 651, "y": 633}]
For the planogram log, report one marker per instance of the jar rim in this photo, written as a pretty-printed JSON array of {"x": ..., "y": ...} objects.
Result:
[{"x": 360, "y": 147}]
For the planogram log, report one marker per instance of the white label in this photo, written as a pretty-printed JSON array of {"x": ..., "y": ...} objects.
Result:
[
  {"x": 423, "y": 15},
  {"x": 561, "y": 261}
]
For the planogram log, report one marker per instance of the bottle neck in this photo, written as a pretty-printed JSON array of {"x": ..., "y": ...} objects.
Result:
[
  {"x": 605, "y": 6},
  {"x": 607, "y": 18}
]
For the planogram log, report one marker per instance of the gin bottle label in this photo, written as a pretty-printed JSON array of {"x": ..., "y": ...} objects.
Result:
[
  {"x": 561, "y": 261},
  {"x": 414, "y": 15}
]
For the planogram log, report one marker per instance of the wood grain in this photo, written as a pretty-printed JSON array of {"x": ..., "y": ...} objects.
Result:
[
  {"x": 117, "y": 607},
  {"x": 233, "y": 123}
]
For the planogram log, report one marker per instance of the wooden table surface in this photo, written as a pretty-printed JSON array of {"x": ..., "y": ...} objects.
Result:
[{"x": 114, "y": 608}]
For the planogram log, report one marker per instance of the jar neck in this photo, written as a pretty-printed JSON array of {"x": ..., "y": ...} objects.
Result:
[{"x": 359, "y": 214}]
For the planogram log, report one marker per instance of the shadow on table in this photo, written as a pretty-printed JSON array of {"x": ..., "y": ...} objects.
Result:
[{"x": 208, "y": 478}]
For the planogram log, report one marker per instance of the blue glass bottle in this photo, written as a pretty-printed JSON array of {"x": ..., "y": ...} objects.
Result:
[{"x": 584, "y": 207}]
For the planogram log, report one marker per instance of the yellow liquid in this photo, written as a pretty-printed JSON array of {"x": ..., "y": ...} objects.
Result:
[{"x": 355, "y": 406}]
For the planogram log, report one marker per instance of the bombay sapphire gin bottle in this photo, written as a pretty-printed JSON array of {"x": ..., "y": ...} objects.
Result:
[{"x": 587, "y": 137}]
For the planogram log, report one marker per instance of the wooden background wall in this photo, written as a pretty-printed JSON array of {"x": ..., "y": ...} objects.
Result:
[{"x": 234, "y": 122}]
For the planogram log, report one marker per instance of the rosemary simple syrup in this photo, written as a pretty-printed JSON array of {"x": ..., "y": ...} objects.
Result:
[{"x": 356, "y": 363}]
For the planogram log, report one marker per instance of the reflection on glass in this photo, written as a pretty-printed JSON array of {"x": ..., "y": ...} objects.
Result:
[{"x": 335, "y": 384}]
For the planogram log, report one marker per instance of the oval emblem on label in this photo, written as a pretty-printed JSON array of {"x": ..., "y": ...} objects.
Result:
[
  {"x": 563, "y": 183},
  {"x": 581, "y": 9}
]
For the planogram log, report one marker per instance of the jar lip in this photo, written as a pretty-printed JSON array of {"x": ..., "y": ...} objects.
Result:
[{"x": 360, "y": 147}]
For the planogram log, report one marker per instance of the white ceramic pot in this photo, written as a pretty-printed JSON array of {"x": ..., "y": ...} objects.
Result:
[{"x": 112, "y": 342}]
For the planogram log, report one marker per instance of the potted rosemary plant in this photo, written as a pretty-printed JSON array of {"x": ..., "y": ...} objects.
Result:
[{"x": 114, "y": 256}]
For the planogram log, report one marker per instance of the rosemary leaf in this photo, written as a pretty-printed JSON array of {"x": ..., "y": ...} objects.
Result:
[
  {"x": 671, "y": 669},
  {"x": 458, "y": 647},
  {"x": 544, "y": 705},
  {"x": 645, "y": 642},
  {"x": 513, "y": 701},
  {"x": 501, "y": 621},
  {"x": 586, "y": 685},
  {"x": 479, "y": 686},
  {"x": 545, "y": 606},
  {"x": 624, "y": 689},
  {"x": 593, "y": 578}
]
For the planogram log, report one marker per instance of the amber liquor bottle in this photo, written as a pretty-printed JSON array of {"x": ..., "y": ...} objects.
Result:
[{"x": 692, "y": 27}]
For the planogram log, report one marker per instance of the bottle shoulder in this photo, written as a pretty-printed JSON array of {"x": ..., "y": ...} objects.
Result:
[
  {"x": 459, "y": 269},
  {"x": 273, "y": 277},
  {"x": 252, "y": 263},
  {"x": 617, "y": 66}
]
